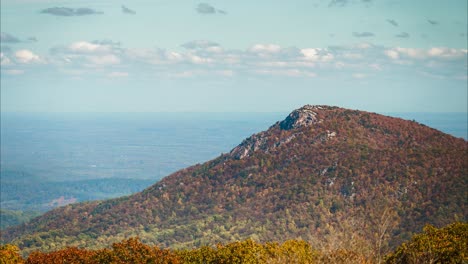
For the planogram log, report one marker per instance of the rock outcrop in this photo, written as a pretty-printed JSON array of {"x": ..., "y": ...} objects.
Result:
[
  {"x": 306, "y": 116},
  {"x": 302, "y": 117}
]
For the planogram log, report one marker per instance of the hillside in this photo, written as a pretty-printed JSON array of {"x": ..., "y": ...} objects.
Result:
[{"x": 328, "y": 175}]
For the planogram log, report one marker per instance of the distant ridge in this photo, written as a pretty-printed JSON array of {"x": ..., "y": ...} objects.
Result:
[{"x": 324, "y": 174}]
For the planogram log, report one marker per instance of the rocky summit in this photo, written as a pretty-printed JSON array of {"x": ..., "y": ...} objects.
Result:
[
  {"x": 324, "y": 174},
  {"x": 305, "y": 116}
]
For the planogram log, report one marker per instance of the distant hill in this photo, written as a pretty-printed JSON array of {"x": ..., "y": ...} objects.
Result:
[
  {"x": 12, "y": 218},
  {"x": 329, "y": 175},
  {"x": 25, "y": 192}
]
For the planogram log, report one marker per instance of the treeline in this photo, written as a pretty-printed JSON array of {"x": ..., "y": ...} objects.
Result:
[
  {"x": 26, "y": 192},
  {"x": 434, "y": 245},
  {"x": 12, "y": 218}
]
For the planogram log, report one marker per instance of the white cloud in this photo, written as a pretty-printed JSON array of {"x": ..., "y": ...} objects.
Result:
[
  {"x": 88, "y": 47},
  {"x": 4, "y": 60},
  {"x": 265, "y": 48},
  {"x": 435, "y": 52},
  {"x": 311, "y": 54},
  {"x": 199, "y": 60},
  {"x": 155, "y": 56},
  {"x": 412, "y": 53},
  {"x": 317, "y": 54},
  {"x": 87, "y": 54},
  {"x": 174, "y": 56},
  {"x": 205, "y": 58},
  {"x": 392, "y": 54},
  {"x": 447, "y": 53},
  {"x": 26, "y": 56}
]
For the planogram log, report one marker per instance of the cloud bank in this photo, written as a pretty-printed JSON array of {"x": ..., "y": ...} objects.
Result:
[
  {"x": 392, "y": 22},
  {"x": 8, "y": 38},
  {"x": 128, "y": 11},
  {"x": 26, "y": 57},
  {"x": 205, "y": 58},
  {"x": 402, "y": 35},
  {"x": 207, "y": 9},
  {"x": 363, "y": 34},
  {"x": 67, "y": 12}
]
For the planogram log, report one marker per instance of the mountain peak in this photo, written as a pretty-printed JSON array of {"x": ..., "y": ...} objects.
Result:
[
  {"x": 303, "y": 117},
  {"x": 266, "y": 141}
]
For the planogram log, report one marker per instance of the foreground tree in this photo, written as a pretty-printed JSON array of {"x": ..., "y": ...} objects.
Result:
[
  {"x": 127, "y": 251},
  {"x": 435, "y": 245},
  {"x": 9, "y": 254},
  {"x": 67, "y": 255}
]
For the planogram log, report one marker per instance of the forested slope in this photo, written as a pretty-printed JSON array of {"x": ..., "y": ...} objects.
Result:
[{"x": 331, "y": 176}]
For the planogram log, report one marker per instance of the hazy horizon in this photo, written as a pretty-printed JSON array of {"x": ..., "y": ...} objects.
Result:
[{"x": 142, "y": 145}]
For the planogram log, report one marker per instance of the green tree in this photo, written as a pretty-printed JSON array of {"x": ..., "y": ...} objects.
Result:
[{"x": 434, "y": 245}]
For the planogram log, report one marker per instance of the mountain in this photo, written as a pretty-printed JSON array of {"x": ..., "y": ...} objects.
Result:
[{"x": 332, "y": 176}]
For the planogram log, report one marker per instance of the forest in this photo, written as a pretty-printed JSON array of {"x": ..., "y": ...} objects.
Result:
[
  {"x": 433, "y": 245},
  {"x": 349, "y": 178}
]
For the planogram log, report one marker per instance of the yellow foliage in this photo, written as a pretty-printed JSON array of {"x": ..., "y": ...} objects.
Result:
[
  {"x": 435, "y": 245},
  {"x": 9, "y": 254}
]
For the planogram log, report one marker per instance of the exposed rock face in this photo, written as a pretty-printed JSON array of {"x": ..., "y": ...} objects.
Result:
[
  {"x": 250, "y": 145},
  {"x": 305, "y": 116}
]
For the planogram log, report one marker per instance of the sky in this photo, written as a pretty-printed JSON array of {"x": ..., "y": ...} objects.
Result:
[{"x": 233, "y": 56}]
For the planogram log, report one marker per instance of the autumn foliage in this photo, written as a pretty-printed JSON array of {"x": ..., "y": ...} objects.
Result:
[
  {"x": 352, "y": 180},
  {"x": 133, "y": 251},
  {"x": 10, "y": 254},
  {"x": 434, "y": 245},
  {"x": 127, "y": 251}
]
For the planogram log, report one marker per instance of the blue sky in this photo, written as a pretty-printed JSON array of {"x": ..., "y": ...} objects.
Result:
[{"x": 233, "y": 56}]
